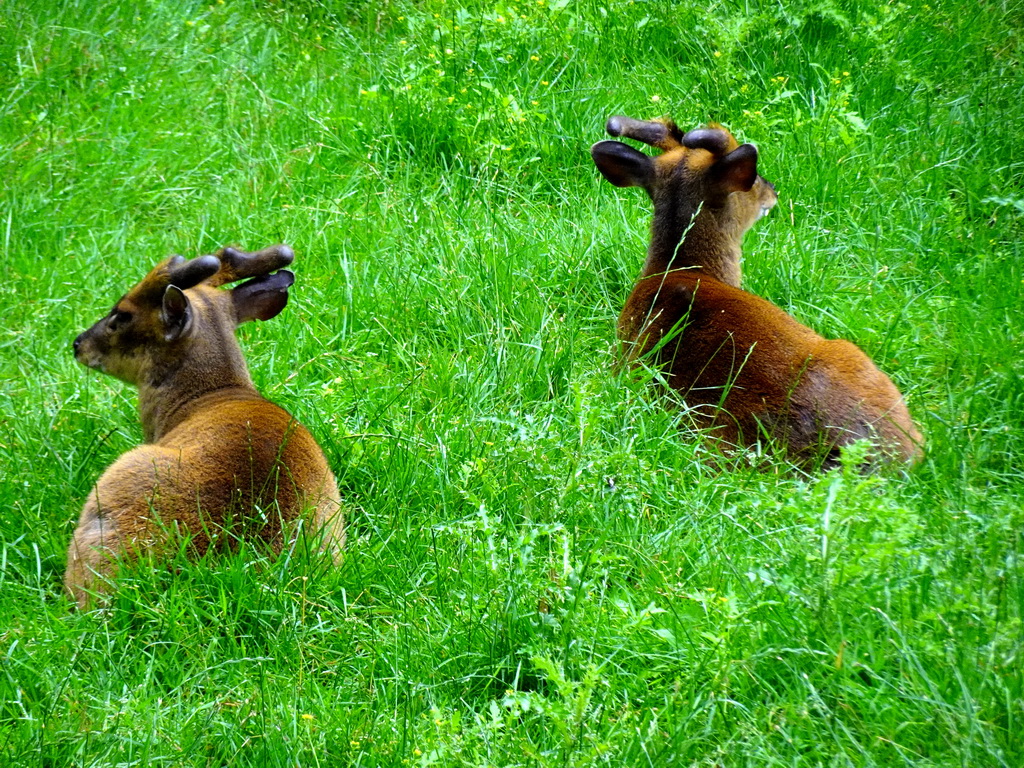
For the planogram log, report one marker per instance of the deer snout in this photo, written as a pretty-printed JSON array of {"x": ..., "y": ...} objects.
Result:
[
  {"x": 84, "y": 352},
  {"x": 78, "y": 346}
]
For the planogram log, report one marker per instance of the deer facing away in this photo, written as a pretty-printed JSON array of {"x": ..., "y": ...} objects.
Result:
[
  {"x": 220, "y": 462},
  {"x": 746, "y": 370}
]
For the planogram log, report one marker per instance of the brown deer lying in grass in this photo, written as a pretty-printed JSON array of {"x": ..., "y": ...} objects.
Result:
[
  {"x": 219, "y": 462},
  {"x": 746, "y": 370}
]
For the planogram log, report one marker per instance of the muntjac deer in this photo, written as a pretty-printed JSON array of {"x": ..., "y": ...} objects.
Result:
[
  {"x": 745, "y": 369},
  {"x": 219, "y": 462}
]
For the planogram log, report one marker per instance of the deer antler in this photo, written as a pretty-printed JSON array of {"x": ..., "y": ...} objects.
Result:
[
  {"x": 237, "y": 265},
  {"x": 186, "y": 274},
  {"x": 714, "y": 140},
  {"x": 664, "y": 135}
]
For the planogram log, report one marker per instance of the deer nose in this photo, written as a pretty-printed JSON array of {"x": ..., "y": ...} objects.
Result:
[{"x": 76, "y": 344}]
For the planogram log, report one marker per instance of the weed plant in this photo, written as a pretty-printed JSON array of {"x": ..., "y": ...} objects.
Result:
[{"x": 542, "y": 568}]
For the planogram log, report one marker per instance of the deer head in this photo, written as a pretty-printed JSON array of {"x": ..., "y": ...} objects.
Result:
[
  {"x": 175, "y": 319},
  {"x": 705, "y": 190}
]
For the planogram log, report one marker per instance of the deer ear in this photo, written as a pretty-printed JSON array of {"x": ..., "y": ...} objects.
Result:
[
  {"x": 262, "y": 297},
  {"x": 622, "y": 165},
  {"x": 175, "y": 313},
  {"x": 736, "y": 172}
]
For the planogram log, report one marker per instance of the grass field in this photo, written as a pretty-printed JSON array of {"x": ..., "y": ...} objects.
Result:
[{"x": 542, "y": 570}]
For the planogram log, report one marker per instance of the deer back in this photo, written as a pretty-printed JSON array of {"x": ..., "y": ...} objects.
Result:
[{"x": 748, "y": 372}]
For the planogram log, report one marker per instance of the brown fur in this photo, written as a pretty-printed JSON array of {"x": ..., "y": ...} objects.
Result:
[
  {"x": 220, "y": 462},
  {"x": 746, "y": 370}
]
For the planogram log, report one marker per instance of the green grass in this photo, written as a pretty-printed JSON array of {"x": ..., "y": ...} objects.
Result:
[{"x": 542, "y": 570}]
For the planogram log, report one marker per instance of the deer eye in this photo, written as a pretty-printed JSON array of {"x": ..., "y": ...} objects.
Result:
[{"x": 118, "y": 318}]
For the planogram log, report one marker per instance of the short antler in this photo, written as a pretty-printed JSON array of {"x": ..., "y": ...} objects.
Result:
[
  {"x": 714, "y": 140},
  {"x": 238, "y": 265},
  {"x": 187, "y": 274},
  {"x": 664, "y": 135}
]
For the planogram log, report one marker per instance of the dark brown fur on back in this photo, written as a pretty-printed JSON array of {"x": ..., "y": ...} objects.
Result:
[{"x": 749, "y": 372}]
